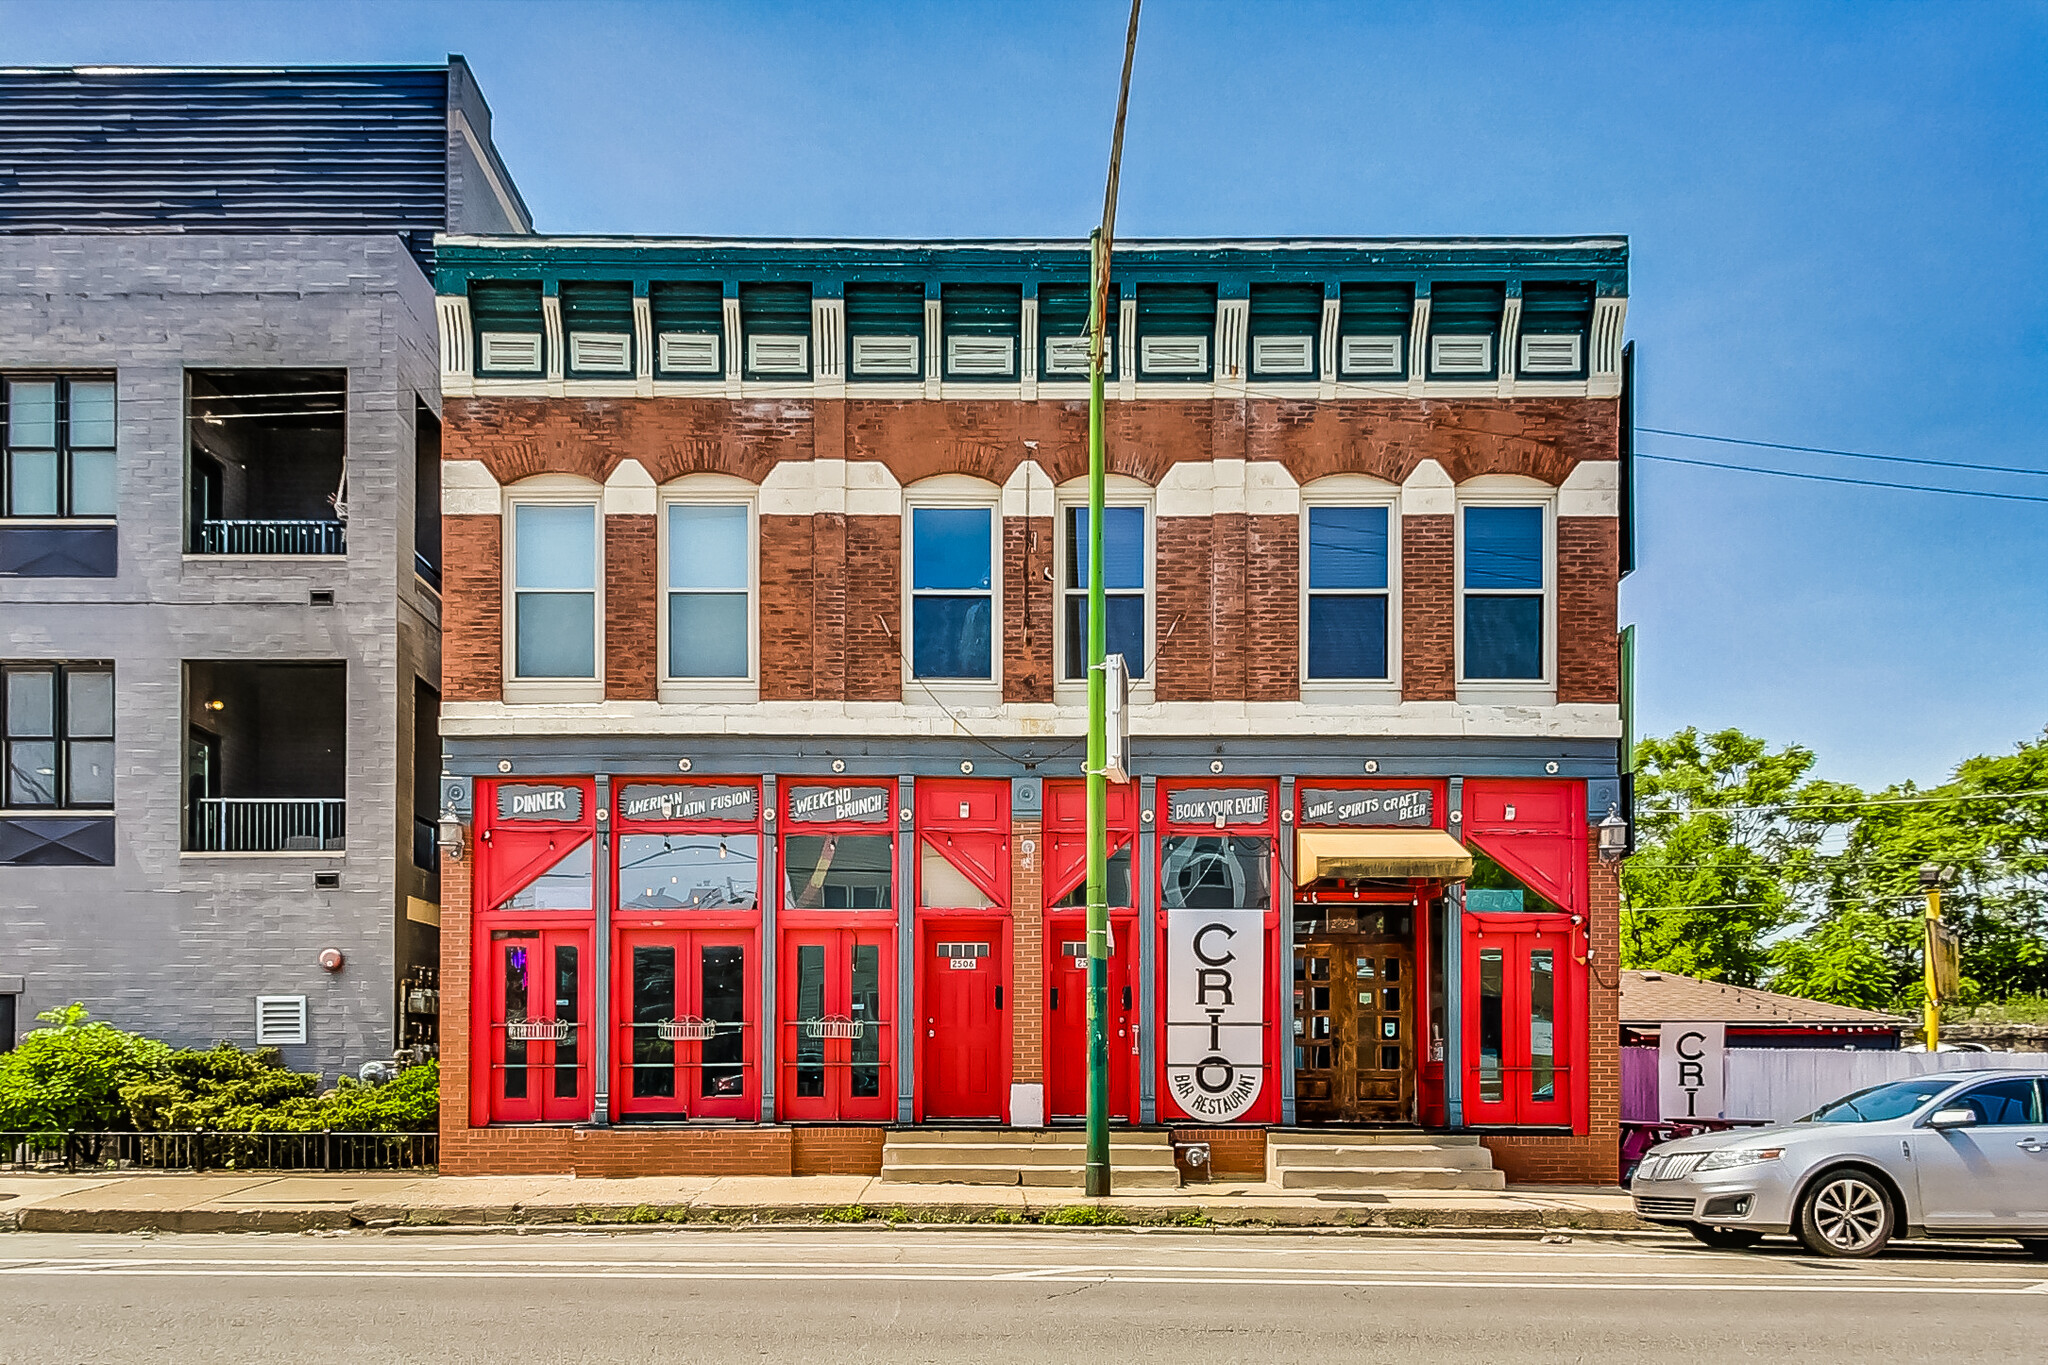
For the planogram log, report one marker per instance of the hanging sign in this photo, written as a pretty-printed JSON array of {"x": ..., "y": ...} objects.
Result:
[
  {"x": 677, "y": 801},
  {"x": 1363, "y": 806},
  {"x": 1691, "y": 1070},
  {"x": 1215, "y": 1011},
  {"x": 1201, "y": 805},
  {"x": 553, "y": 802},
  {"x": 824, "y": 805}
]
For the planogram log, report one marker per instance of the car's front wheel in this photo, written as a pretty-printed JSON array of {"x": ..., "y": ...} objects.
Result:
[
  {"x": 1846, "y": 1213},
  {"x": 1724, "y": 1239},
  {"x": 2036, "y": 1247}
]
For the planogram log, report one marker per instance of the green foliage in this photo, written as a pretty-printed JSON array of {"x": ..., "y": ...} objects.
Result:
[
  {"x": 225, "y": 1089},
  {"x": 1084, "y": 1216},
  {"x": 70, "y": 1073},
  {"x": 1843, "y": 958}
]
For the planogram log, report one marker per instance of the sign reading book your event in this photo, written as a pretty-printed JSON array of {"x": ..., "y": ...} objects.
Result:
[
  {"x": 679, "y": 801},
  {"x": 825, "y": 805},
  {"x": 1215, "y": 1011},
  {"x": 1201, "y": 805},
  {"x": 534, "y": 801},
  {"x": 1376, "y": 806}
]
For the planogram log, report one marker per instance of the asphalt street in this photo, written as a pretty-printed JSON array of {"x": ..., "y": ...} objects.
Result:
[{"x": 862, "y": 1295}]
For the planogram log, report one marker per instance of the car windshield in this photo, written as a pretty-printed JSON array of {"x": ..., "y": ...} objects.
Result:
[{"x": 1893, "y": 1100}]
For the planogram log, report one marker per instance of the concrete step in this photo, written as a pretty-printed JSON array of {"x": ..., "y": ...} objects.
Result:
[
  {"x": 1387, "y": 1178},
  {"x": 973, "y": 1154},
  {"x": 1123, "y": 1177},
  {"x": 1020, "y": 1137},
  {"x": 1369, "y": 1137},
  {"x": 1387, "y": 1154}
]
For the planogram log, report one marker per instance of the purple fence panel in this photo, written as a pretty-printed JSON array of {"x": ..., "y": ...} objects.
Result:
[{"x": 1639, "y": 1085}]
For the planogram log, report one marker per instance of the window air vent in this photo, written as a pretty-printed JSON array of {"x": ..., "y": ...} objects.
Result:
[
  {"x": 610, "y": 352},
  {"x": 1173, "y": 355},
  {"x": 690, "y": 352},
  {"x": 280, "y": 1020},
  {"x": 1283, "y": 355},
  {"x": 996, "y": 356},
  {"x": 511, "y": 351},
  {"x": 779, "y": 354},
  {"x": 1066, "y": 355},
  {"x": 1551, "y": 353},
  {"x": 1372, "y": 355},
  {"x": 890, "y": 355},
  {"x": 1461, "y": 354}
]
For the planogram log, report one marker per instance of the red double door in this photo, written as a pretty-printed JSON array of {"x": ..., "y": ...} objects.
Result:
[
  {"x": 838, "y": 1036},
  {"x": 1524, "y": 1007},
  {"x": 686, "y": 1002},
  {"x": 538, "y": 1047},
  {"x": 1066, "y": 1014}
]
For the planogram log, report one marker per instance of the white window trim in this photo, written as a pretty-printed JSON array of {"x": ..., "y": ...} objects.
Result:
[
  {"x": 721, "y": 490},
  {"x": 1509, "y": 490},
  {"x": 1120, "y": 490},
  {"x": 953, "y": 491},
  {"x": 1354, "y": 490},
  {"x": 557, "y": 490}
]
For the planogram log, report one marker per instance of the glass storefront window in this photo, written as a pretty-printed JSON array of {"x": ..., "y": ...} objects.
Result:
[
  {"x": 689, "y": 871},
  {"x": 722, "y": 995},
  {"x": 1491, "y": 981},
  {"x": 564, "y": 886},
  {"x": 1542, "y": 1025},
  {"x": 941, "y": 884},
  {"x": 1492, "y": 889},
  {"x": 654, "y": 996},
  {"x": 1216, "y": 872},
  {"x": 838, "y": 871},
  {"x": 810, "y": 1004},
  {"x": 1117, "y": 885},
  {"x": 867, "y": 1007},
  {"x": 567, "y": 1009}
]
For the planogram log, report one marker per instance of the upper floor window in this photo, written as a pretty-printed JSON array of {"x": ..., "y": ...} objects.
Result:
[
  {"x": 58, "y": 724},
  {"x": 555, "y": 590},
  {"x": 1504, "y": 585},
  {"x": 1125, "y": 584},
  {"x": 1348, "y": 606},
  {"x": 710, "y": 591},
  {"x": 952, "y": 593},
  {"x": 60, "y": 447}
]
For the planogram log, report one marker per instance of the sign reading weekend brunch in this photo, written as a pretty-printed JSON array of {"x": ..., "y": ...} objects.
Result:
[
  {"x": 1377, "y": 806},
  {"x": 1201, "y": 805},
  {"x": 823, "y": 805},
  {"x": 531, "y": 801},
  {"x": 1215, "y": 1010},
  {"x": 677, "y": 801}
]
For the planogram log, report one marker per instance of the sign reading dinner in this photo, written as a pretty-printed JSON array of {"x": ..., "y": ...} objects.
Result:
[
  {"x": 827, "y": 805},
  {"x": 1202, "y": 806},
  {"x": 1376, "y": 806},
  {"x": 529, "y": 801},
  {"x": 678, "y": 801}
]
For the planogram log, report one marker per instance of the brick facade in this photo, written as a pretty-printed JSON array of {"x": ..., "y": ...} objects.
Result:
[
  {"x": 632, "y": 597},
  {"x": 1429, "y": 670}
]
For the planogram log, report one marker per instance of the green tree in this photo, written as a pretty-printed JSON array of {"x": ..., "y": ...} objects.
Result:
[
  {"x": 1728, "y": 835},
  {"x": 70, "y": 1073}
]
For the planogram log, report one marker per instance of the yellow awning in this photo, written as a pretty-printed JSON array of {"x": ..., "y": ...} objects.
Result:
[{"x": 1361, "y": 854}]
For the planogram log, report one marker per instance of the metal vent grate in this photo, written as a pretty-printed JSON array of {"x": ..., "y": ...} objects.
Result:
[
  {"x": 1283, "y": 355},
  {"x": 1553, "y": 353},
  {"x": 609, "y": 352},
  {"x": 690, "y": 352},
  {"x": 779, "y": 354},
  {"x": 982, "y": 355},
  {"x": 890, "y": 355},
  {"x": 1372, "y": 355},
  {"x": 1461, "y": 354},
  {"x": 1173, "y": 355},
  {"x": 510, "y": 351},
  {"x": 280, "y": 1020}
]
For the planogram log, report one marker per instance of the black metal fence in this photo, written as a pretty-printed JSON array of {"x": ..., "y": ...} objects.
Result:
[{"x": 201, "y": 1151}]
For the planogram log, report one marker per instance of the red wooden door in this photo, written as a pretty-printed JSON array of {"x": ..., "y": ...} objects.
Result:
[
  {"x": 838, "y": 1036},
  {"x": 1066, "y": 1016},
  {"x": 964, "y": 973},
  {"x": 539, "y": 984},
  {"x": 1524, "y": 1037},
  {"x": 685, "y": 1035}
]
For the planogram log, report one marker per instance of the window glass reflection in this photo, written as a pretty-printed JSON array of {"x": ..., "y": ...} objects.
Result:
[
  {"x": 689, "y": 871},
  {"x": 564, "y": 886},
  {"x": 838, "y": 871},
  {"x": 1216, "y": 872}
]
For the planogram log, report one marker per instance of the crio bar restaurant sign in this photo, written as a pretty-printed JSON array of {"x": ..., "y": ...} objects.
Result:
[
  {"x": 1202, "y": 805},
  {"x": 531, "y": 801},
  {"x": 676, "y": 801},
  {"x": 1215, "y": 1010},
  {"x": 1691, "y": 1070},
  {"x": 820, "y": 805},
  {"x": 1367, "y": 806}
]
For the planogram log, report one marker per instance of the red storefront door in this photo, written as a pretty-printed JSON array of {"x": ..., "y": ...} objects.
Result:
[
  {"x": 1066, "y": 1016},
  {"x": 685, "y": 1004},
  {"x": 539, "y": 988},
  {"x": 838, "y": 1037},
  {"x": 1522, "y": 1020},
  {"x": 965, "y": 965}
]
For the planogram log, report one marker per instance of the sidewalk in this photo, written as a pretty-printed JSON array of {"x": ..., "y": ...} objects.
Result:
[{"x": 221, "y": 1202}]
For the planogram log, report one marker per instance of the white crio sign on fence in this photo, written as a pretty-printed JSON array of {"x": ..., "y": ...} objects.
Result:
[{"x": 1691, "y": 1074}]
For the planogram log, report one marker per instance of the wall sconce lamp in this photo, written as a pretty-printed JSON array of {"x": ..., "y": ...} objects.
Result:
[
  {"x": 451, "y": 835},
  {"x": 1613, "y": 834}
]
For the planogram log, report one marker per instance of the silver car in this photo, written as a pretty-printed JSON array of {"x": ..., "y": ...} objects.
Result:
[{"x": 1952, "y": 1154}]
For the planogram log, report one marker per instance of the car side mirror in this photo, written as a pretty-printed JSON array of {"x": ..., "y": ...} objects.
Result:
[{"x": 1945, "y": 1119}]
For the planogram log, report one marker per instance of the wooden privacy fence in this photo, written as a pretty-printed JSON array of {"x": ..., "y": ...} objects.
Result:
[{"x": 1780, "y": 1084}]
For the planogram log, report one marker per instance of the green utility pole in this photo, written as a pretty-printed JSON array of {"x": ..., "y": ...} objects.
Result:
[{"x": 1097, "y": 1179}]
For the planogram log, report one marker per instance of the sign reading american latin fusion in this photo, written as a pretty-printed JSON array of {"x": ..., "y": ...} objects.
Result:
[
  {"x": 821, "y": 805},
  {"x": 1375, "y": 806},
  {"x": 1215, "y": 1010},
  {"x": 534, "y": 801},
  {"x": 676, "y": 801}
]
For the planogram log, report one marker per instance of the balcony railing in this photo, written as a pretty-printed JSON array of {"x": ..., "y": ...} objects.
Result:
[
  {"x": 271, "y": 538},
  {"x": 243, "y": 824}
]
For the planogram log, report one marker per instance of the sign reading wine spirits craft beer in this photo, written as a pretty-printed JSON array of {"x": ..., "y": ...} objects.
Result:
[
  {"x": 1215, "y": 1011},
  {"x": 678, "y": 801},
  {"x": 532, "y": 801},
  {"x": 1363, "y": 806},
  {"x": 825, "y": 805}
]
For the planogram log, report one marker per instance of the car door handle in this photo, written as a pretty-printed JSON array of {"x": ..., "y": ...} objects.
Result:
[{"x": 2028, "y": 1144}]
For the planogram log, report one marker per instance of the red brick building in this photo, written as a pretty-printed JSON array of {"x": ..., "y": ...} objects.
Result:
[{"x": 763, "y": 700}]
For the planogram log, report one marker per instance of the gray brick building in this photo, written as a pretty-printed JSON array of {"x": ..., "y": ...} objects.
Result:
[{"x": 219, "y": 545}]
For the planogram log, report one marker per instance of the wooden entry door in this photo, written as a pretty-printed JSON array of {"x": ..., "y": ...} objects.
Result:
[
  {"x": 1354, "y": 1050},
  {"x": 965, "y": 969},
  {"x": 838, "y": 1041}
]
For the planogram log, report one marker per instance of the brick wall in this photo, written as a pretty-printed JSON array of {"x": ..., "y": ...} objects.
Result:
[
  {"x": 632, "y": 597},
  {"x": 874, "y": 609},
  {"x": 1588, "y": 582},
  {"x": 472, "y": 609},
  {"x": 1185, "y": 613},
  {"x": 1428, "y": 609},
  {"x": 1273, "y": 609},
  {"x": 789, "y": 638},
  {"x": 1236, "y": 1152},
  {"x": 1027, "y": 952},
  {"x": 1031, "y": 611}
]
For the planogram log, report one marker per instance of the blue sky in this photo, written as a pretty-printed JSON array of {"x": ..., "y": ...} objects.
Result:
[{"x": 1837, "y": 214}]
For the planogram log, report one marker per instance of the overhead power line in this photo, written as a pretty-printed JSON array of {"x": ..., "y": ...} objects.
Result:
[
  {"x": 1847, "y": 454},
  {"x": 1843, "y": 805},
  {"x": 1838, "y": 478}
]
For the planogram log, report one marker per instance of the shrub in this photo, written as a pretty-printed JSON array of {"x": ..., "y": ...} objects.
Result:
[
  {"x": 225, "y": 1089},
  {"x": 71, "y": 1074}
]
